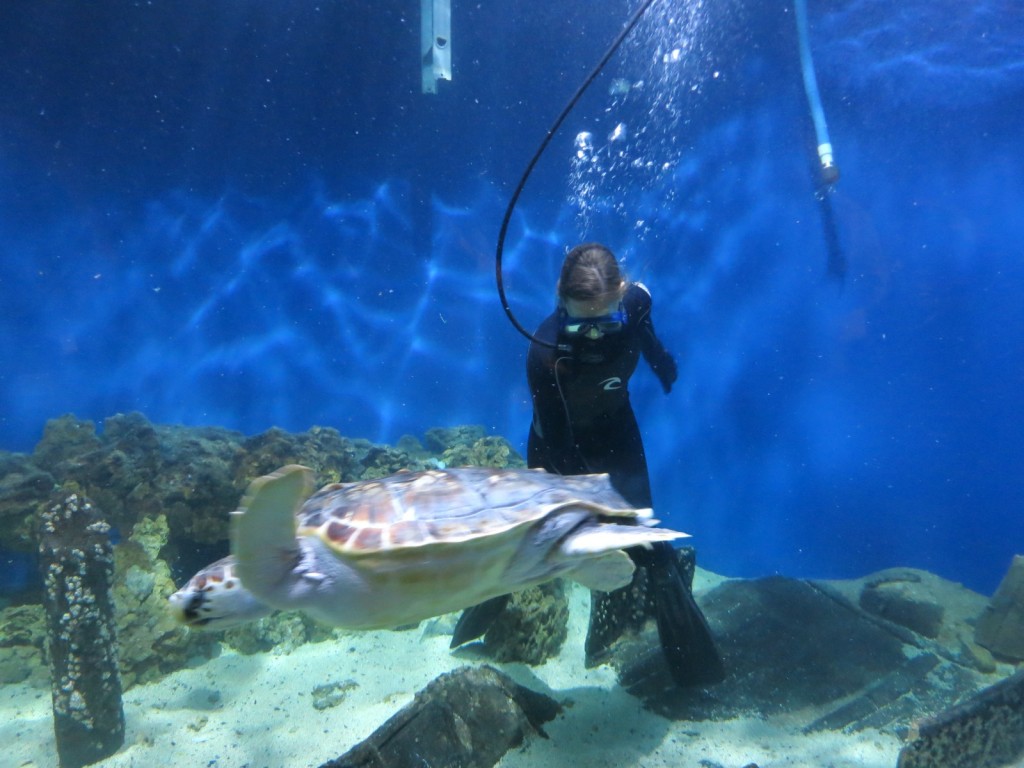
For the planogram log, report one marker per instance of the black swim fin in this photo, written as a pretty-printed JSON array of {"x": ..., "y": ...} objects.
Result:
[
  {"x": 686, "y": 640},
  {"x": 662, "y": 590},
  {"x": 614, "y": 614},
  {"x": 477, "y": 619}
]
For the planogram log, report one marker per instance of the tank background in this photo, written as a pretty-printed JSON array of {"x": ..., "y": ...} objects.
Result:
[{"x": 246, "y": 215}]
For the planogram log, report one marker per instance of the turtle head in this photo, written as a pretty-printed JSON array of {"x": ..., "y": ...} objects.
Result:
[{"x": 215, "y": 599}]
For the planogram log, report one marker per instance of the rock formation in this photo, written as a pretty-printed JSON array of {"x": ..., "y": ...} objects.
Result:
[{"x": 77, "y": 562}]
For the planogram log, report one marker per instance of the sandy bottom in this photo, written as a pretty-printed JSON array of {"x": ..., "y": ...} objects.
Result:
[{"x": 257, "y": 712}]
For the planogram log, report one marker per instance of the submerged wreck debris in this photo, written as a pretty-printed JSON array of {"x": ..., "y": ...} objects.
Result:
[
  {"x": 986, "y": 731},
  {"x": 1001, "y": 626},
  {"x": 77, "y": 563},
  {"x": 469, "y": 717},
  {"x": 808, "y": 649},
  {"x": 818, "y": 649},
  {"x": 897, "y": 595}
]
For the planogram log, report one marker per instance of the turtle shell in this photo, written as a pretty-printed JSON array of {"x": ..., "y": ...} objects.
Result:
[{"x": 449, "y": 506}]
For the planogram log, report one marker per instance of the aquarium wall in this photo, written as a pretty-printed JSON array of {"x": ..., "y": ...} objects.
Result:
[{"x": 249, "y": 215}]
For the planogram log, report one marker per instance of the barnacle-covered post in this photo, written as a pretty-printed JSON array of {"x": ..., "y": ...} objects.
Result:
[{"x": 77, "y": 562}]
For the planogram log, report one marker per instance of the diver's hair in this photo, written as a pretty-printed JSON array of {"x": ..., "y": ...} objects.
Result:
[{"x": 591, "y": 272}]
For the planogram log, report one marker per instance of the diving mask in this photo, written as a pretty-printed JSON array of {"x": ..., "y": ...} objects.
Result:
[{"x": 594, "y": 327}]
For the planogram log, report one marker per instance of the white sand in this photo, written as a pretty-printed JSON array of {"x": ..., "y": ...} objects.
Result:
[{"x": 257, "y": 712}]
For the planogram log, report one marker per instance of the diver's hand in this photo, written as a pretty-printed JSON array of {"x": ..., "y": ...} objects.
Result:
[{"x": 667, "y": 372}]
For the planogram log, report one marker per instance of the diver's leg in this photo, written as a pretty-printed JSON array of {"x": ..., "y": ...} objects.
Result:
[
  {"x": 476, "y": 620},
  {"x": 658, "y": 585},
  {"x": 618, "y": 450},
  {"x": 686, "y": 640}
]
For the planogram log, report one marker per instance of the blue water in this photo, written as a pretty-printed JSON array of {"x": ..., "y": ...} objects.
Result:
[{"x": 247, "y": 214}]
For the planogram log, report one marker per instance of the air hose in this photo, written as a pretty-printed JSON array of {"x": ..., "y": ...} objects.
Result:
[
  {"x": 634, "y": 19},
  {"x": 828, "y": 171}
]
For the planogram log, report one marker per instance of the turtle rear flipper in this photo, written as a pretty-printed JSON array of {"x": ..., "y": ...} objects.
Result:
[
  {"x": 477, "y": 619},
  {"x": 610, "y": 537},
  {"x": 263, "y": 531},
  {"x": 606, "y": 573}
]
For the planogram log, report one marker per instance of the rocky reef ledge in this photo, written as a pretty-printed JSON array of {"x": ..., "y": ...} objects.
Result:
[{"x": 166, "y": 491}]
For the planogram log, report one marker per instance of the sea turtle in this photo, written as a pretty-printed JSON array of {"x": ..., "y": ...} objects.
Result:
[
  {"x": 214, "y": 598},
  {"x": 384, "y": 553}
]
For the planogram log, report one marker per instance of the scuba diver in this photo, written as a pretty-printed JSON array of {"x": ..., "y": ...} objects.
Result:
[{"x": 583, "y": 423}]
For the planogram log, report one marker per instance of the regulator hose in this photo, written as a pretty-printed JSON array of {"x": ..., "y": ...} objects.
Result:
[{"x": 634, "y": 19}]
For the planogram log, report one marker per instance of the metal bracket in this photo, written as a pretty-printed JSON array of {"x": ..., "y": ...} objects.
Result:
[{"x": 435, "y": 42}]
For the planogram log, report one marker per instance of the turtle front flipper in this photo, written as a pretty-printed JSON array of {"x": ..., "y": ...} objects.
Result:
[{"x": 263, "y": 530}]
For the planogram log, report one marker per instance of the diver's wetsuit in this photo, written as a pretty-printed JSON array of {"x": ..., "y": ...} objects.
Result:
[
  {"x": 583, "y": 423},
  {"x": 582, "y": 418}
]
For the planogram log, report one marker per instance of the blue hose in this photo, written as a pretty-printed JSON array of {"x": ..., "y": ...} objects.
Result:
[{"x": 829, "y": 170}]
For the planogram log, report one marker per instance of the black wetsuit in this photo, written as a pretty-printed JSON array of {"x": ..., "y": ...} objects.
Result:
[
  {"x": 582, "y": 418},
  {"x": 583, "y": 423}
]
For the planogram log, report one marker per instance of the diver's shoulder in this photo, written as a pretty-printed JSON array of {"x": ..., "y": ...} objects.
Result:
[
  {"x": 547, "y": 333},
  {"x": 638, "y": 297},
  {"x": 640, "y": 287}
]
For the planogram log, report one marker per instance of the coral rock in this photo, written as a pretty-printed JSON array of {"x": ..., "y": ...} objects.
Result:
[
  {"x": 22, "y": 638},
  {"x": 533, "y": 626},
  {"x": 77, "y": 562}
]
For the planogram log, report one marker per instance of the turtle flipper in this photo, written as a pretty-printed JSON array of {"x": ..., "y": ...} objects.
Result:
[
  {"x": 263, "y": 530},
  {"x": 596, "y": 539},
  {"x": 608, "y": 572},
  {"x": 477, "y": 619}
]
